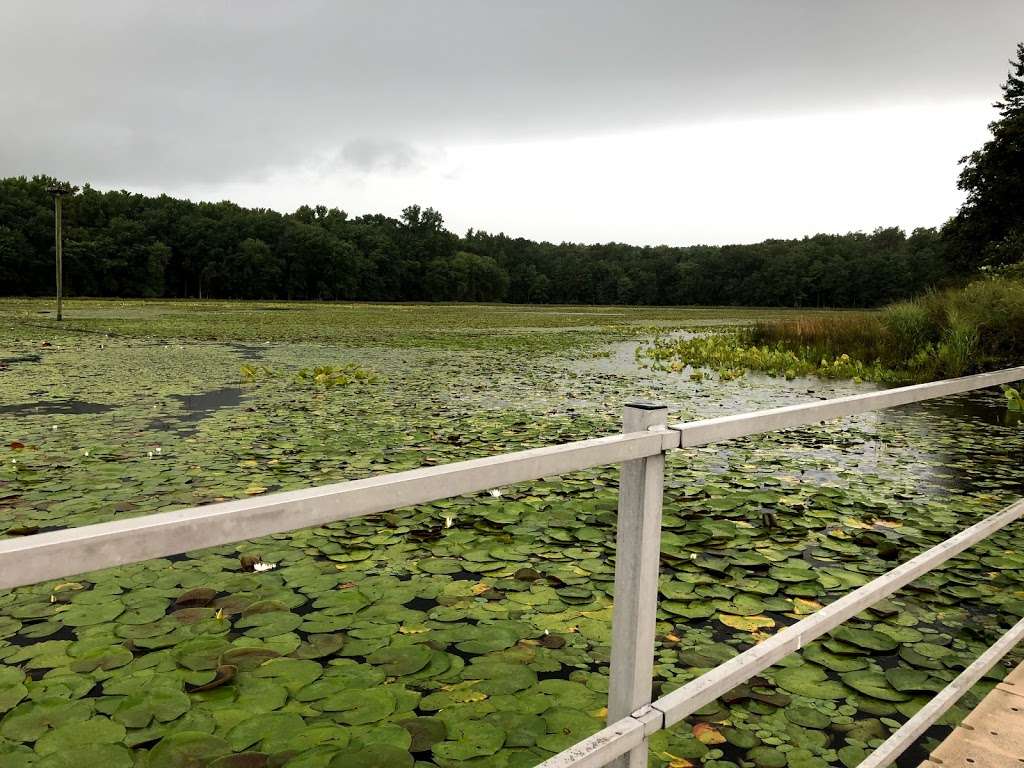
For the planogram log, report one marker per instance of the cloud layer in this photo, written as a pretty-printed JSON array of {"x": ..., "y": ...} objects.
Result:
[{"x": 197, "y": 94}]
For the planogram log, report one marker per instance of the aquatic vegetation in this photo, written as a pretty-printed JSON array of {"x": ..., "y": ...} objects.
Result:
[
  {"x": 324, "y": 376},
  {"x": 475, "y": 630},
  {"x": 335, "y": 376},
  {"x": 1014, "y": 399},
  {"x": 941, "y": 334},
  {"x": 726, "y": 353}
]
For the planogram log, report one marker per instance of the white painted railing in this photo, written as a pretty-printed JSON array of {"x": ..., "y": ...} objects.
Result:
[{"x": 641, "y": 449}]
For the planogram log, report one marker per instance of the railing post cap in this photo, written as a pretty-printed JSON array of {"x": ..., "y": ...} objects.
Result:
[{"x": 646, "y": 405}]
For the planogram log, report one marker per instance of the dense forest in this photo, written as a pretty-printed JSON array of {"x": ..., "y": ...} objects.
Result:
[{"x": 122, "y": 244}]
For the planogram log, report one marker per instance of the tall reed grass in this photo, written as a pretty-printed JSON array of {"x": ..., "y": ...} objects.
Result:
[{"x": 941, "y": 334}]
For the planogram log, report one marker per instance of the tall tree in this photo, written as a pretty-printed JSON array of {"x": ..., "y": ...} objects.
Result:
[{"x": 989, "y": 229}]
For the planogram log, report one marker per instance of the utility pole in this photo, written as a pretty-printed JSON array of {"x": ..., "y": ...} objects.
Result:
[{"x": 59, "y": 191}]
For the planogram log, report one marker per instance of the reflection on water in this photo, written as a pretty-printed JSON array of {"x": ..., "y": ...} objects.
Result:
[{"x": 946, "y": 445}]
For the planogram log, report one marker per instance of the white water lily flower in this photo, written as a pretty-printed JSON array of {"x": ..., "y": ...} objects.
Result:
[
  {"x": 495, "y": 492},
  {"x": 260, "y": 567},
  {"x": 150, "y": 454},
  {"x": 86, "y": 451},
  {"x": 448, "y": 521},
  {"x": 158, "y": 449}
]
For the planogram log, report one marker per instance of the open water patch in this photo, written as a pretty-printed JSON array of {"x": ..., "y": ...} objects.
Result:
[
  {"x": 47, "y": 407},
  {"x": 6, "y": 361},
  {"x": 198, "y": 407}
]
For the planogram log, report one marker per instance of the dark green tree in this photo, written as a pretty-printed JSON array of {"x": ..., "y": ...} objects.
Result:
[
  {"x": 122, "y": 244},
  {"x": 989, "y": 229}
]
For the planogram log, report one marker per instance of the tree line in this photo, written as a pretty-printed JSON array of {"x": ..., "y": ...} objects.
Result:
[
  {"x": 122, "y": 244},
  {"x": 129, "y": 245}
]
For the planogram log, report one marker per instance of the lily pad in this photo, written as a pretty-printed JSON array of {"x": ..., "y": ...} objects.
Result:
[
  {"x": 187, "y": 750},
  {"x": 161, "y": 704},
  {"x": 810, "y": 681},
  {"x": 372, "y": 756},
  {"x": 873, "y": 684},
  {"x": 865, "y": 638}
]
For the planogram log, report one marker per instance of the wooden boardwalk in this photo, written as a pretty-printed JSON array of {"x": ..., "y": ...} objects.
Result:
[{"x": 991, "y": 736}]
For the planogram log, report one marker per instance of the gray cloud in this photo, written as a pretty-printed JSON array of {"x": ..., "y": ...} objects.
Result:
[
  {"x": 132, "y": 92},
  {"x": 368, "y": 155}
]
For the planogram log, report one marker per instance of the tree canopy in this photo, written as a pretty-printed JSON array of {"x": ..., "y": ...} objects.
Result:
[
  {"x": 989, "y": 229},
  {"x": 119, "y": 243}
]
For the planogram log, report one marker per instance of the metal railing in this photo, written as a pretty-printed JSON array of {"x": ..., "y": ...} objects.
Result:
[{"x": 641, "y": 449}]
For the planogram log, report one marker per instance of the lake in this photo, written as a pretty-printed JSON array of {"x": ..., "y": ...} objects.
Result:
[{"x": 473, "y": 631}]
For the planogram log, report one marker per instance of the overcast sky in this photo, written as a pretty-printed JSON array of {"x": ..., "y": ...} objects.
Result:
[{"x": 645, "y": 121}]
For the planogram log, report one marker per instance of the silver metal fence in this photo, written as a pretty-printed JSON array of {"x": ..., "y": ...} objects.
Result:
[{"x": 641, "y": 449}]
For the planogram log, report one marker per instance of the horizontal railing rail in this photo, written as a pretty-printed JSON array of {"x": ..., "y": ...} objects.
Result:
[
  {"x": 640, "y": 449},
  {"x": 56, "y": 554},
  {"x": 707, "y": 431},
  {"x": 670, "y": 709}
]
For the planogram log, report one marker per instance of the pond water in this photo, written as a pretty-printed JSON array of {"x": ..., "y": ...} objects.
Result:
[{"x": 474, "y": 631}]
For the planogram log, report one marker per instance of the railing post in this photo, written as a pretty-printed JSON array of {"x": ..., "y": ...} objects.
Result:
[{"x": 637, "y": 558}]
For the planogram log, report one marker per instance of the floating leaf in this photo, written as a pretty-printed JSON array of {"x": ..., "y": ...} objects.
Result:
[
  {"x": 161, "y": 704},
  {"x": 810, "y": 681},
  {"x": 865, "y": 638},
  {"x": 873, "y": 684},
  {"x": 746, "y": 623}
]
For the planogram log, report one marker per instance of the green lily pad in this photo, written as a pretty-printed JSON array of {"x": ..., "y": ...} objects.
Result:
[
  {"x": 31, "y": 719},
  {"x": 873, "y": 684},
  {"x": 398, "y": 661},
  {"x": 497, "y": 677},
  {"x": 468, "y": 740},
  {"x": 161, "y": 704},
  {"x": 425, "y": 732},
  {"x": 912, "y": 680},
  {"x": 68, "y": 737},
  {"x": 86, "y": 756},
  {"x": 810, "y": 681},
  {"x": 187, "y": 750},
  {"x": 92, "y": 614},
  {"x": 766, "y": 757},
  {"x": 808, "y": 717},
  {"x": 358, "y": 707},
  {"x": 565, "y": 727},
  {"x": 265, "y": 727},
  {"x": 865, "y": 638},
  {"x": 372, "y": 756},
  {"x": 816, "y": 652}
]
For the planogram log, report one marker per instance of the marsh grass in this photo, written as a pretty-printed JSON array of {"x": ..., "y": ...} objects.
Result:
[
  {"x": 857, "y": 335},
  {"x": 941, "y": 334}
]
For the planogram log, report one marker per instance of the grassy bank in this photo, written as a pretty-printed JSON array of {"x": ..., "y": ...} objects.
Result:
[{"x": 938, "y": 335}]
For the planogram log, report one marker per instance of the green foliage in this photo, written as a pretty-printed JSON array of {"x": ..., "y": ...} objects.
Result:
[
  {"x": 325, "y": 376},
  {"x": 1014, "y": 399},
  {"x": 730, "y": 357},
  {"x": 120, "y": 244},
  {"x": 335, "y": 376},
  {"x": 939, "y": 335},
  {"x": 989, "y": 228}
]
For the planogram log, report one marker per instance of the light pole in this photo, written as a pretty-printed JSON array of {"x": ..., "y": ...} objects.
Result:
[{"x": 59, "y": 191}]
